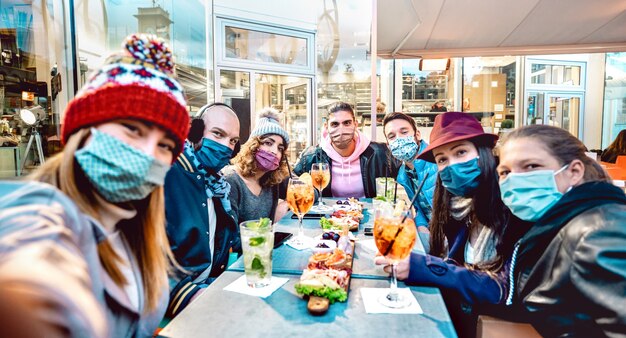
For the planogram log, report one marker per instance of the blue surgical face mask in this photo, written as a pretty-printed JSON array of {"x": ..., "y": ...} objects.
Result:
[
  {"x": 461, "y": 179},
  {"x": 529, "y": 195},
  {"x": 213, "y": 155},
  {"x": 119, "y": 172},
  {"x": 404, "y": 148}
]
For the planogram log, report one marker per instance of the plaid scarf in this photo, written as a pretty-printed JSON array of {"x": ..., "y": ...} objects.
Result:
[{"x": 214, "y": 183}]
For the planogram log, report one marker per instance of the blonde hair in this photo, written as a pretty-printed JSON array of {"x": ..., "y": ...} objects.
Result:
[
  {"x": 247, "y": 166},
  {"x": 149, "y": 245}
]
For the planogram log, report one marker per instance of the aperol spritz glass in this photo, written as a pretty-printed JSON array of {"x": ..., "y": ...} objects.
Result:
[
  {"x": 300, "y": 197},
  {"x": 320, "y": 174}
]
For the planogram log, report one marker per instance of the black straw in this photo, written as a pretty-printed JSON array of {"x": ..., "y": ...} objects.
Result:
[
  {"x": 417, "y": 192},
  {"x": 395, "y": 191},
  {"x": 289, "y": 168}
]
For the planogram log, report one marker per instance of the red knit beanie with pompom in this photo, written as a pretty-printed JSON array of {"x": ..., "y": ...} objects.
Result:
[{"x": 137, "y": 84}]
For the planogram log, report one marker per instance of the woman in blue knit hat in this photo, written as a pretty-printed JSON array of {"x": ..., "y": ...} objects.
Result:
[{"x": 258, "y": 170}]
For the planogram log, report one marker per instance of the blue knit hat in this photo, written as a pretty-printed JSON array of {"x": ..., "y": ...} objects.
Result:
[{"x": 269, "y": 122}]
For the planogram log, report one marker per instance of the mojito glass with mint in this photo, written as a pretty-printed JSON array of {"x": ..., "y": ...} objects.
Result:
[{"x": 257, "y": 241}]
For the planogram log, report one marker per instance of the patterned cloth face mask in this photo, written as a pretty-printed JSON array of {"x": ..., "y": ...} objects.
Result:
[
  {"x": 404, "y": 148},
  {"x": 118, "y": 171}
]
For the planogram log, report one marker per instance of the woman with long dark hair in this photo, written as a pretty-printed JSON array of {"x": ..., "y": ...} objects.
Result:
[{"x": 471, "y": 230}]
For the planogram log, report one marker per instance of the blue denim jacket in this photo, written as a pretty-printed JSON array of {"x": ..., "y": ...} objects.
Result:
[{"x": 411, "y": 179}]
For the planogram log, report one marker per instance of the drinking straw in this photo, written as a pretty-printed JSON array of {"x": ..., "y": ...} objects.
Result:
[
  {"x": 395, "y": 191},
  {"x": 417, "y": 192},
  {"x": 289, "y": 168}
]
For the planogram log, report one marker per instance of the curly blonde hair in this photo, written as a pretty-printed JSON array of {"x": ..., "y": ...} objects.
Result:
[{"x": 247, "y": 166}]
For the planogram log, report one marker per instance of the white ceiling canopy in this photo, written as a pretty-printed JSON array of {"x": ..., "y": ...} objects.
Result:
[{"x": 455, "y": 28}]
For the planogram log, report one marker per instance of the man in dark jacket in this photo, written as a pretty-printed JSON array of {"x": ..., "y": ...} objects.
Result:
[
  {"x": 200, "y": 227},
  {"x": 354, "y": 160}
]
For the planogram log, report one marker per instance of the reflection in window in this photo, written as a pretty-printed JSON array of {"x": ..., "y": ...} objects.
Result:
[
  {"x": 489, "y": 90},
  {"x": 563, "y": 75},
  {"x": 614, "y": 97},
  {"x": 265, "y": 47},
  {"x": 102, "y": 26},
  {"x": 30, "y": 47}
]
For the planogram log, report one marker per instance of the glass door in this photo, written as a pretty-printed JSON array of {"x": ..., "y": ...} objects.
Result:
[
  {"x": 561, "y": 110},
  {"x": 565, "y": 111},
  {"x": 292, "y": 96},
  {"x": 234, "y": 90}
]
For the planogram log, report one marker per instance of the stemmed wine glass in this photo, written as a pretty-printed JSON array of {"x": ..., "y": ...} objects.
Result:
[
  {"x": 300, "y": 197},
  {"x": 320, "y": 174},
  {"x": 394, "y": 234}
]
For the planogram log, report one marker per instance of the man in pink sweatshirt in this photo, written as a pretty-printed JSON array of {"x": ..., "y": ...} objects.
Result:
[{"x": 354, "y": 160}]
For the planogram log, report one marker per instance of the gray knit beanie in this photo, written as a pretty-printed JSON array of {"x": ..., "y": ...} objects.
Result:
[{"x": 270, "y": 122}]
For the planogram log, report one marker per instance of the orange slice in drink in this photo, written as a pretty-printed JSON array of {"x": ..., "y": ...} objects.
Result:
[{"x": 306, "y": 177}]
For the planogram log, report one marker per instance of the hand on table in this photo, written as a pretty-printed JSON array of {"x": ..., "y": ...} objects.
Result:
[{"x": 402, "y": 269}]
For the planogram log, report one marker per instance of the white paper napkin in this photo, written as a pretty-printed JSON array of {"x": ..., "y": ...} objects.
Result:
[
  {"x": 306, "y": 243},
  {"x": 241, "y": 286},
  {"x": 371, "y": 296}
]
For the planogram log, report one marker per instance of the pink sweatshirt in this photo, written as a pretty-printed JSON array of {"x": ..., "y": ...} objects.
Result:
[{"x": 346, "y": 171}]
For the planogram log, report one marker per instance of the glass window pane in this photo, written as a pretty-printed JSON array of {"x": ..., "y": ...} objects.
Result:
[
  {"x": 563, "y": 75},
  {"x": 102, "y": 26},
  {"x": 260, "y": 46},
  {"x": 291, "y": 95},
  {"x": 489, "y": 91},
  {"x": 33, "y": 77},
  {"x": 614, "y": 97}
]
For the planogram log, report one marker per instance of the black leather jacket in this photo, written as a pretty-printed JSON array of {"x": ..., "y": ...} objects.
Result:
[
  {"x": 376, "y": 161},
  {"x": 578, "y": 285}
]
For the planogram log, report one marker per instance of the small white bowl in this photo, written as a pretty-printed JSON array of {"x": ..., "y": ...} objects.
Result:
[{"x": 331, "y": 245}]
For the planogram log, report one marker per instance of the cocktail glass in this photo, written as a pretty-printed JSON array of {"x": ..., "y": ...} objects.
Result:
[
  {"x": 394, "y": 234},
  {"x": 300, "y": 197},
  {"x": 257, "y": 243},
  {"x": 320, "y": 174}
]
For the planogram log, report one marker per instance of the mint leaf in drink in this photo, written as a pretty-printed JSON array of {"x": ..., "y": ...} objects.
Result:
[
  {"x": 258, "y": 266},
  {"x": 381, "y": 198},
  {"x": 256, "y": 241},
  {"x": 262, "y": 224}
]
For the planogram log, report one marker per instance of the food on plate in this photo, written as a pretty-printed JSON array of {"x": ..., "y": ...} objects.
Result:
[
  {"x": 337, "y": 259},
  {"x": 337, "y": 223},
  {"x": 330, "y": 283}
]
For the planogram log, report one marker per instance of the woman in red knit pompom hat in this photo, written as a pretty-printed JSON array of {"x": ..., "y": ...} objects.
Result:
[{"x": 99, "y": 222}]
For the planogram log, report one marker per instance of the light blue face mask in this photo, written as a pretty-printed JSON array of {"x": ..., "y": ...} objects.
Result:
[
  {"x": 404, "y": 148},
  {"x": 529, "y": 195},
  {"x": 119, "y": 172},
  {"x": 461, "y": 179}
]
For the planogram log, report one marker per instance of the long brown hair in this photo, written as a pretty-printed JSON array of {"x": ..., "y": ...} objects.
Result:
[
  {"x": 563, "y": 146},
  {"x": 145, "y": 233},
  {"x": 487, "y": 209},
  {"x": 246, "y": 162}
]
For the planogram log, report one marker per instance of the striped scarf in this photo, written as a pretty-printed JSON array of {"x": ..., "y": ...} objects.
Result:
[{"x": 214, "y": 183}]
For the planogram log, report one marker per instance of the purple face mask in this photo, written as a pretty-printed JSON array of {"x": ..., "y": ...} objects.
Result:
[{"x": 266, "y": 161}]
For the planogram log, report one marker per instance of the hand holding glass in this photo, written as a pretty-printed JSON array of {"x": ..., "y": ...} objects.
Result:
[{"x": 394, "y": 234}]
